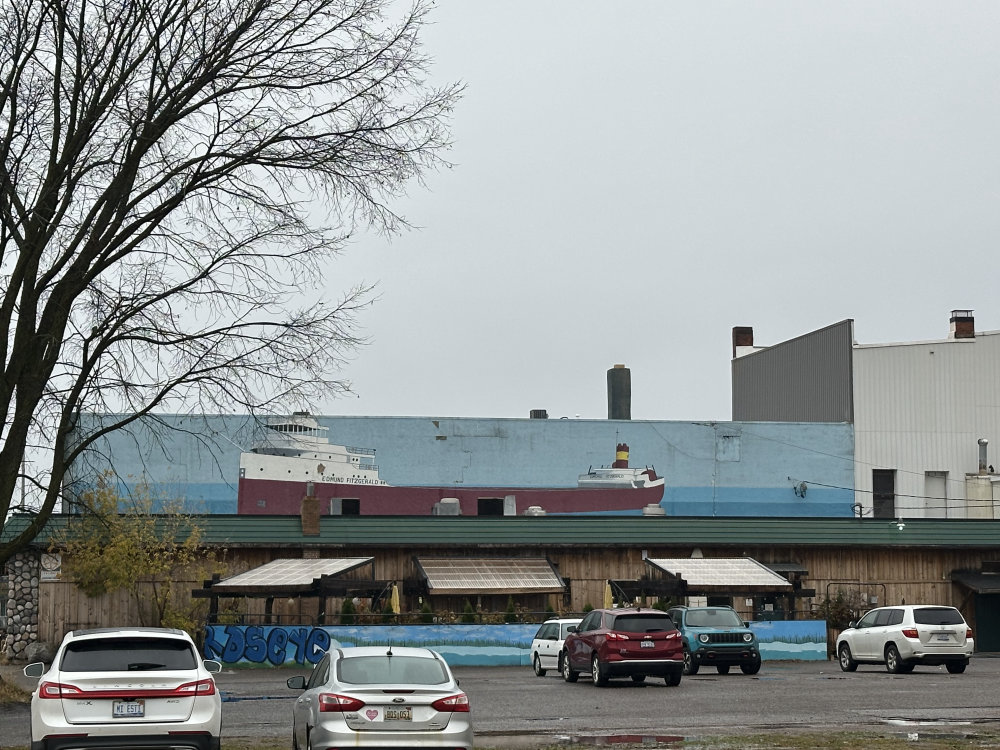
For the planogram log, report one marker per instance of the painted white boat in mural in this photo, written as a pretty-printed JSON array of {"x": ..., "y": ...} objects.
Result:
[{"x": 295, "y": 456}]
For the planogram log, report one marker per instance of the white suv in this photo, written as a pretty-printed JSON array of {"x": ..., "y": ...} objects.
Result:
[
  {"x": 904, "y": 636},
  {"x": 143, "y": 687}
]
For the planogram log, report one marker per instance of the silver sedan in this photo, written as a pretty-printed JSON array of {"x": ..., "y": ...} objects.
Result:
[{"x": 377, "y": 696}]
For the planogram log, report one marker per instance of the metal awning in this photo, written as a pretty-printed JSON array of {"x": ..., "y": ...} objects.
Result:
[
  {"x": 981, "y": 583},
  {"x": 287, "y": 576},
  {"x": 722, "y": 575},
  {"x": 490, "y": 575}
]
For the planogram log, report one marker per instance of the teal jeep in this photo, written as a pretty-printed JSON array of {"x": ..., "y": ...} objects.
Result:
[{"x": 716, "y": 636}]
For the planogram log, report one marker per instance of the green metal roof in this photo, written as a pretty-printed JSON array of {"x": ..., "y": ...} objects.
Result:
[{"x": 598, "y": 531}]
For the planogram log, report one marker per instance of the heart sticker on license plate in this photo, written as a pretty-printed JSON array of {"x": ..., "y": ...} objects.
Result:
[{"x": 372, "y": 714}]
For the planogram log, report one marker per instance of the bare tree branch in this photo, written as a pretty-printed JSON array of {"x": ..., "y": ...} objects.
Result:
[{"x": 176, "y": 177}]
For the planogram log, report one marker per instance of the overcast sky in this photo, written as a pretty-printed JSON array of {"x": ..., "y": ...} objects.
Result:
[{"x": 634, "y": 179}]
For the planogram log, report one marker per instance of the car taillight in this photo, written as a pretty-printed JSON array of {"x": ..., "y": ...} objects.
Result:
[
  {"x": 457, "y": 703},
  {"x": 968, "y": 633},
  {"x": 910, "y": 633},
  {"x": 339, "y": 703},
  {"x": 202, "y": 687},
  {"x": 58, "y": 690},
  {"x": 612, "y": 636}
]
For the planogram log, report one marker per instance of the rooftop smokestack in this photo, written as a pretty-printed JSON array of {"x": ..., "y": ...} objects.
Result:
[
  {"x": 963, "y": 325},
  {"x": 619, "y": 392},
  {"x": 742, "y": 336},
  {"x": 983, "y": 442}
]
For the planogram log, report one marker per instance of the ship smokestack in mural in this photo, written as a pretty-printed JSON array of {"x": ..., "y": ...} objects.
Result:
[
  {"x": 621, "y": 456},
  {"x": 619, "y": 392}
]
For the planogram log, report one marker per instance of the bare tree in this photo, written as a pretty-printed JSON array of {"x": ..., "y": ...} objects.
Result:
[{"x": 176, "y": 176}]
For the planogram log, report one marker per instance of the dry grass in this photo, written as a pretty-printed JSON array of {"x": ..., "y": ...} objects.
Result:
[{"x": 11, "y": 693}]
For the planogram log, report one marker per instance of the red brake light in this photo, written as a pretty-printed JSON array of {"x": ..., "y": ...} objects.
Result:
[
  {"x": 457, "y": 703},
  {"x": 968, "y": 632},
  {"x": 613, "y": 636},
  {"x": 910, "y": 633},
  {"x": 58, "y": 690},
  {"x": 202, "y": 687},
  {"x": 338, "y": 703}
]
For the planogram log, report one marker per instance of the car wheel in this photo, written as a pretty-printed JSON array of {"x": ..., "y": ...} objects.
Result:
[
  {"x": 752, "y": 667},
  {"x": 955, "y": 667},
  {"x": 847, "y": 663},
  {"x": 568, "y": 674},
  {"x": 597, "y": 673},
  {"x": 638, "y": 678},
  {"x": 537, "y": 664},
  {"x": 674, "y": 678},
  {"x": 723, "y": 668},
  {"x": 690, "y": 667},
  {"x": 893, "y": 661}
]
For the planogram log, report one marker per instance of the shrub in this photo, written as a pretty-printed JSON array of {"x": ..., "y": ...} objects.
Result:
[
  {"x": 510, "y": 615},
  {"x": 347, "y": 612}
]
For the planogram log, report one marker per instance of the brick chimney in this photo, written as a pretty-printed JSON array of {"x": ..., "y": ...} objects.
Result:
[
  {"x": 742, "y": 337},
  {"x": 310, "y": 512},
  {"x": 963, "y": 325}
]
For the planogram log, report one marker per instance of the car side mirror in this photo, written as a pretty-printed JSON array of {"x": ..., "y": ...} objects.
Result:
[
  {"x": 35, "y": 669},
  {"x": 298, "y": 682},
  {"x": 851, "y": 625},
  {"x": 571, "y": 629},
  {"x": 746, "y": 623},
  {"x": 212, "y": 665}
]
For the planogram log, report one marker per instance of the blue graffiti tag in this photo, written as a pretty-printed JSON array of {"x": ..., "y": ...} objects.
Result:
[{"x": 257, "y": 644}]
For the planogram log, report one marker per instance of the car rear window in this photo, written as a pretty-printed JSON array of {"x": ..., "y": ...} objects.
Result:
[
  {"x": 382, "y": 669},
  {"x": 128, "y": 655},
  {"x": 937, "y": 616},
  {"x": 642, "y": 623}
]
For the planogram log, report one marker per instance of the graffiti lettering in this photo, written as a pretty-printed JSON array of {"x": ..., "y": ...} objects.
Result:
[{"x": 261, "y": 644}]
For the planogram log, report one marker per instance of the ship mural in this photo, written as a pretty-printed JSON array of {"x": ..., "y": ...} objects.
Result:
[{"x": 295, "y": 458}]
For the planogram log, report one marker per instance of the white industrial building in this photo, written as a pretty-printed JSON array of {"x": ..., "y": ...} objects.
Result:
[{"x": 926, "y": 414}]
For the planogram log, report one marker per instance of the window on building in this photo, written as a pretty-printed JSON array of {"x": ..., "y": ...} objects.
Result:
[{"x": 884, "y": 493}]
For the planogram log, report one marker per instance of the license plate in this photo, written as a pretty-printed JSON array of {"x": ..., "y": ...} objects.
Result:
[
  {"x": 647, "y": 644},
  {"x": 944, "y": 637},
  {"x": 128, "y": 709},
  {"x": 399, "y": 714}
]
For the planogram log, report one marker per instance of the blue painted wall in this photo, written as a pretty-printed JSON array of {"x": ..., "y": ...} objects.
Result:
[
  {"x": 711, "y": 468},
  {"x": 460, "y": 645}
]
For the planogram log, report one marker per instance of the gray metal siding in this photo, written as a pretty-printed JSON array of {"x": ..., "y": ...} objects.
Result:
[{"x": 805, "y": 379}]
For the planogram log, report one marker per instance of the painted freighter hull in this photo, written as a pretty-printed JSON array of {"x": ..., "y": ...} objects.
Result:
[{"x": 278, "y": 497}]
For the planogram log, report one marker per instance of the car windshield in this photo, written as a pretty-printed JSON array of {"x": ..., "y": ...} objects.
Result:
[
  {"x": 937, "y": 616},
  {"x": 383, "y": 669},
  {"x": 127, "y": 654},
  {"x": 643, "y": 623},
  {"x": 713, "y": 618}
]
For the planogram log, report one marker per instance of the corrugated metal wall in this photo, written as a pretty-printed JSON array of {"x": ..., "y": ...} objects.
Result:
[
  {"x": 806, "y": 379},
  {"x": 922, "y": 408}
]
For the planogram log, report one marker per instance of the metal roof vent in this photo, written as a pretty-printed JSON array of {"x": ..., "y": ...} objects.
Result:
[{"x": 534, "y": 510}]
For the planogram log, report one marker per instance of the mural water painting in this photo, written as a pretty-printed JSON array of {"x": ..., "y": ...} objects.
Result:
[{"x": 460, "y": 645}]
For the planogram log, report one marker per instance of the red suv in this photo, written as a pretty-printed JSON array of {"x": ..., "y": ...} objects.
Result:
[{"x": 628, "y": 642}]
